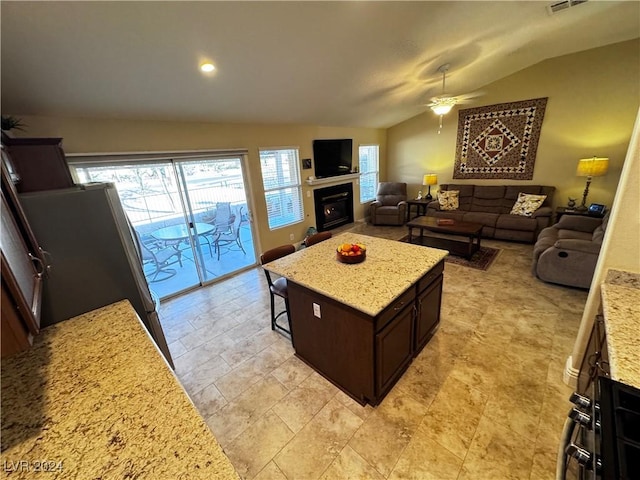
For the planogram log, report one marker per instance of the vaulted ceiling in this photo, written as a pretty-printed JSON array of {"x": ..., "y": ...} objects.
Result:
[{"x": 370, "y": 64}]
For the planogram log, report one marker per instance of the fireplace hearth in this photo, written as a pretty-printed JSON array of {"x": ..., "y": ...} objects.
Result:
[{"x": 333, "y": 206}]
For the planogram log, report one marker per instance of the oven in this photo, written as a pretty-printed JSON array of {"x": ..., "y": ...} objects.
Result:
[{"x": 601, "y": 436}]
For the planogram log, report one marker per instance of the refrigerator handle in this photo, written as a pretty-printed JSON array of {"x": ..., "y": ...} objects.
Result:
[
  {"x": 45, "y": 257},
  {"x": 39, "y": 265}
]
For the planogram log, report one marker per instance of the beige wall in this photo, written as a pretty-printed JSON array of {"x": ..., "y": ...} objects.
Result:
[
  {"x": 620, "y": 248},
  {"x": 593, "y": 99},
  {"x": 86, "y": 135}
]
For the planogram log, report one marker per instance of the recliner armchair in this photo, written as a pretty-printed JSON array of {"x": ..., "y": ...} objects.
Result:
[
  {"x": 566, "y": 253},
  {"x": 390, "y": 206}
]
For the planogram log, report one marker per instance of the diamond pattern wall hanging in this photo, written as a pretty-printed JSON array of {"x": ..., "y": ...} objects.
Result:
[{"x": 499, "y": 141}]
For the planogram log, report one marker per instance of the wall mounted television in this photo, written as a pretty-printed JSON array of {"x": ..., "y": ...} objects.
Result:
[{"x": 332, "y": 157}]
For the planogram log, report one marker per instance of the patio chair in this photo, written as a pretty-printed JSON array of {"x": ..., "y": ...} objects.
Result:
[
  {"x": 229, "y": 238},
  {"x": 224, "y": 217},
  {"x": 160, "y": 260},
  {"x": 279, "y": 286}
]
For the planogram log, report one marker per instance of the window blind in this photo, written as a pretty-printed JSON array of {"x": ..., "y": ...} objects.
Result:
[{"x": 282, "y": 186}]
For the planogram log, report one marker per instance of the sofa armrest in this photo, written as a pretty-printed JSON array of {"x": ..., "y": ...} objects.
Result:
[
  {"x": 576, "y": 245},
  {"x": 375, "y": 204},
  {"x": 435, "y": 204},
  {"x": 542, "y": 212},
  {"x": 578, "y": 223}
]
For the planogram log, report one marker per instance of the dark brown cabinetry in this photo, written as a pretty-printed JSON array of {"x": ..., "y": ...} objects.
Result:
[
  {"x": 364, "y": 355},
  {"x": 394, "y": 349},
  {"x": 22, "y": 273},
  {"x": 596, "y": 358},
  {"x": 39, "y": 163}
]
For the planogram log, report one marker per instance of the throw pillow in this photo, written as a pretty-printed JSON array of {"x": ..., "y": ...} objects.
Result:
[
  {"x": 527, "y": 204},
  {"x": 448, "y": 199}
]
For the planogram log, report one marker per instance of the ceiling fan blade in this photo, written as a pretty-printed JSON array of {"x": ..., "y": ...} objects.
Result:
[{"x": 469, "y": 96}]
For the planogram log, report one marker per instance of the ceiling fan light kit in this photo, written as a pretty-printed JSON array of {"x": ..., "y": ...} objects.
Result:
[{"x": 443, "y": 104}]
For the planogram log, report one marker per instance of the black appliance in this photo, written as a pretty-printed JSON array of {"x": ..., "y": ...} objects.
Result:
[
  {"x": 332, "y": 157},
  {"x": 601, "y": 439}
]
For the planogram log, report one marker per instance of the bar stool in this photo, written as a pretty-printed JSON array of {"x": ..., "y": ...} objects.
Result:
[
  {"x": 279, "y": 286},
  {"x": 317, "y": 238}
]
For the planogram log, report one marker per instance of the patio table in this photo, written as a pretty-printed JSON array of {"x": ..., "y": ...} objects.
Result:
[
  {"x": 180, "y": 231},
  {"x": 177, "y": 233}
]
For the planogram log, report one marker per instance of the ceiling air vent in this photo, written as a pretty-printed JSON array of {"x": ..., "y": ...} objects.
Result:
[{"x": 563, "y": 5}]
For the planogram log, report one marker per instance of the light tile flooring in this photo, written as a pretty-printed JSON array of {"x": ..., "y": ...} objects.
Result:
[{"x": 484, "y": 399}]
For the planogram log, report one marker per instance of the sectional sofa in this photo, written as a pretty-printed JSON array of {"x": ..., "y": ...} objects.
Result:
[{"x": 491, "y": 205}]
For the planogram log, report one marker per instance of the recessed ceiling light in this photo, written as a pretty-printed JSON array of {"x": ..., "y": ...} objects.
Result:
[{"x": 207, "y": 67}]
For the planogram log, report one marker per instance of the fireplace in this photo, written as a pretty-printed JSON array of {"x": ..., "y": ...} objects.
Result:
[{"x": 334, "y": 206}]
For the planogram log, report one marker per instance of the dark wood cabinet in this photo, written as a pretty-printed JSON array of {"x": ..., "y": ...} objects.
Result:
[
  {"x": 394, "y": 349},
  {"x": 427, "y": 312},
  {"x": 40, "y": 163},
  {"x": 363, "y": 355},
  {"x": 23, "y": 266},
  {"x": 596, "y": 358}
]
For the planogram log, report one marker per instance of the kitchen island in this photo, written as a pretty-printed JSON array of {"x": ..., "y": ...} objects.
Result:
[
  {"x": 360, "y": 325},
  {"x": 95, "y": 398}
]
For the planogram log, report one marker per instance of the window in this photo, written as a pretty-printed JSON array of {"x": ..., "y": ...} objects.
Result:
[
  {"x": 369, "y": 172},
  {"x": 282, "y": 188}
]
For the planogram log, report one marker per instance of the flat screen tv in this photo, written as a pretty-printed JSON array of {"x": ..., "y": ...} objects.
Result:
[{"x": 332, "y": 157}]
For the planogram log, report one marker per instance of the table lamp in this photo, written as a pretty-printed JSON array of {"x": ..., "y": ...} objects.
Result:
[
  {"x": 590, "y": 167},
  {"x": 429, "y": 179}
]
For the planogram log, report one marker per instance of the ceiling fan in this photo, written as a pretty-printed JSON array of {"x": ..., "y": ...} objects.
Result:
[{"x": 443, "y": 103}]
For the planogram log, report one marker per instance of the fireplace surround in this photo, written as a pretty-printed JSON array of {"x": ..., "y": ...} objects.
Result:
[{"x": 333, "y": 206}]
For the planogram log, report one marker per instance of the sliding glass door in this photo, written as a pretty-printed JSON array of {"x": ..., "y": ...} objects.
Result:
[{"x": 191, "y": 216}]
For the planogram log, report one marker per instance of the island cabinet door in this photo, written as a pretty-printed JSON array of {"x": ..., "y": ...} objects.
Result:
[
  {"x": 334, "y": 339},
  {"x": 394, "y": 350},
  {"x": 428, "y": 313}
]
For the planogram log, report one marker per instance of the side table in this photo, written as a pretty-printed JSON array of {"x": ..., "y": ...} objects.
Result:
[
  {"x": 560, "y": 211},
  {"x": 421, "y": 207}
]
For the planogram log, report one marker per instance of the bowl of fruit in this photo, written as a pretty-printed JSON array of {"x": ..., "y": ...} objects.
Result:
[{"x": 351, "y": 253}]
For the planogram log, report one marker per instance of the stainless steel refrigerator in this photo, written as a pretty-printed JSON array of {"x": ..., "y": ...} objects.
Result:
[{"x": 94, "y": 256}]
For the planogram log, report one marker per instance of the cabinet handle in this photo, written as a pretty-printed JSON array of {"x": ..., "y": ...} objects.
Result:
[
  {"x": 603, "y": 367},
  {"x": 395, "y": 309}
]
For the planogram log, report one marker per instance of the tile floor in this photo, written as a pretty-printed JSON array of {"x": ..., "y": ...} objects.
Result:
[{"x": 483, "y": 400}]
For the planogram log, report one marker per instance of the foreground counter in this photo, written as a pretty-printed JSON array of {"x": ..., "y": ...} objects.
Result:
[
  {"x": 360, "y": 325},
  {"x": 621, "y": 308},
  {"x": 94, "y": 398}
]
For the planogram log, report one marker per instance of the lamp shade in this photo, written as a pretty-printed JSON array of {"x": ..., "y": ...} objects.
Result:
[
  {"x": 592, "y": 167},
  {"x": 430, "y": 179}
]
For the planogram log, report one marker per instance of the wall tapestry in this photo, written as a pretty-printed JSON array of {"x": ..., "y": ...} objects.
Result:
[{"x": 499, "y": 141}]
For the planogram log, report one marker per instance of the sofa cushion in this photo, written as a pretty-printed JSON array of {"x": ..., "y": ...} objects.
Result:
[
  {"x": 392, "y": 200},
  {"x": 488, "y": 219},
  {"x": 488, "y": 199},
  {"x": 448, "y": 199},
  {"x": 517, "y": 222},
  {"x": 387, "y": 210},
  {"x": 527, "y": 204},
  {"x": 573, "y": 234}
]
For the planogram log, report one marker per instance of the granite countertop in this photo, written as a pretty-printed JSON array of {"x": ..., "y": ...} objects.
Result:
[
  {"x": 94, "y": 398},
  {"x": 621, "y": 307},
  {"x": 389, "y": 269}
]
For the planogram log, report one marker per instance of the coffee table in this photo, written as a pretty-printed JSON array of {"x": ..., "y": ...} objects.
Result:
[{"x": 456, "y": 247}]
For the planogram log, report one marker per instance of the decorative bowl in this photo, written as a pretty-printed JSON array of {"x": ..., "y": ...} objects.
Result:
[{"x": 346, "y": 258}]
